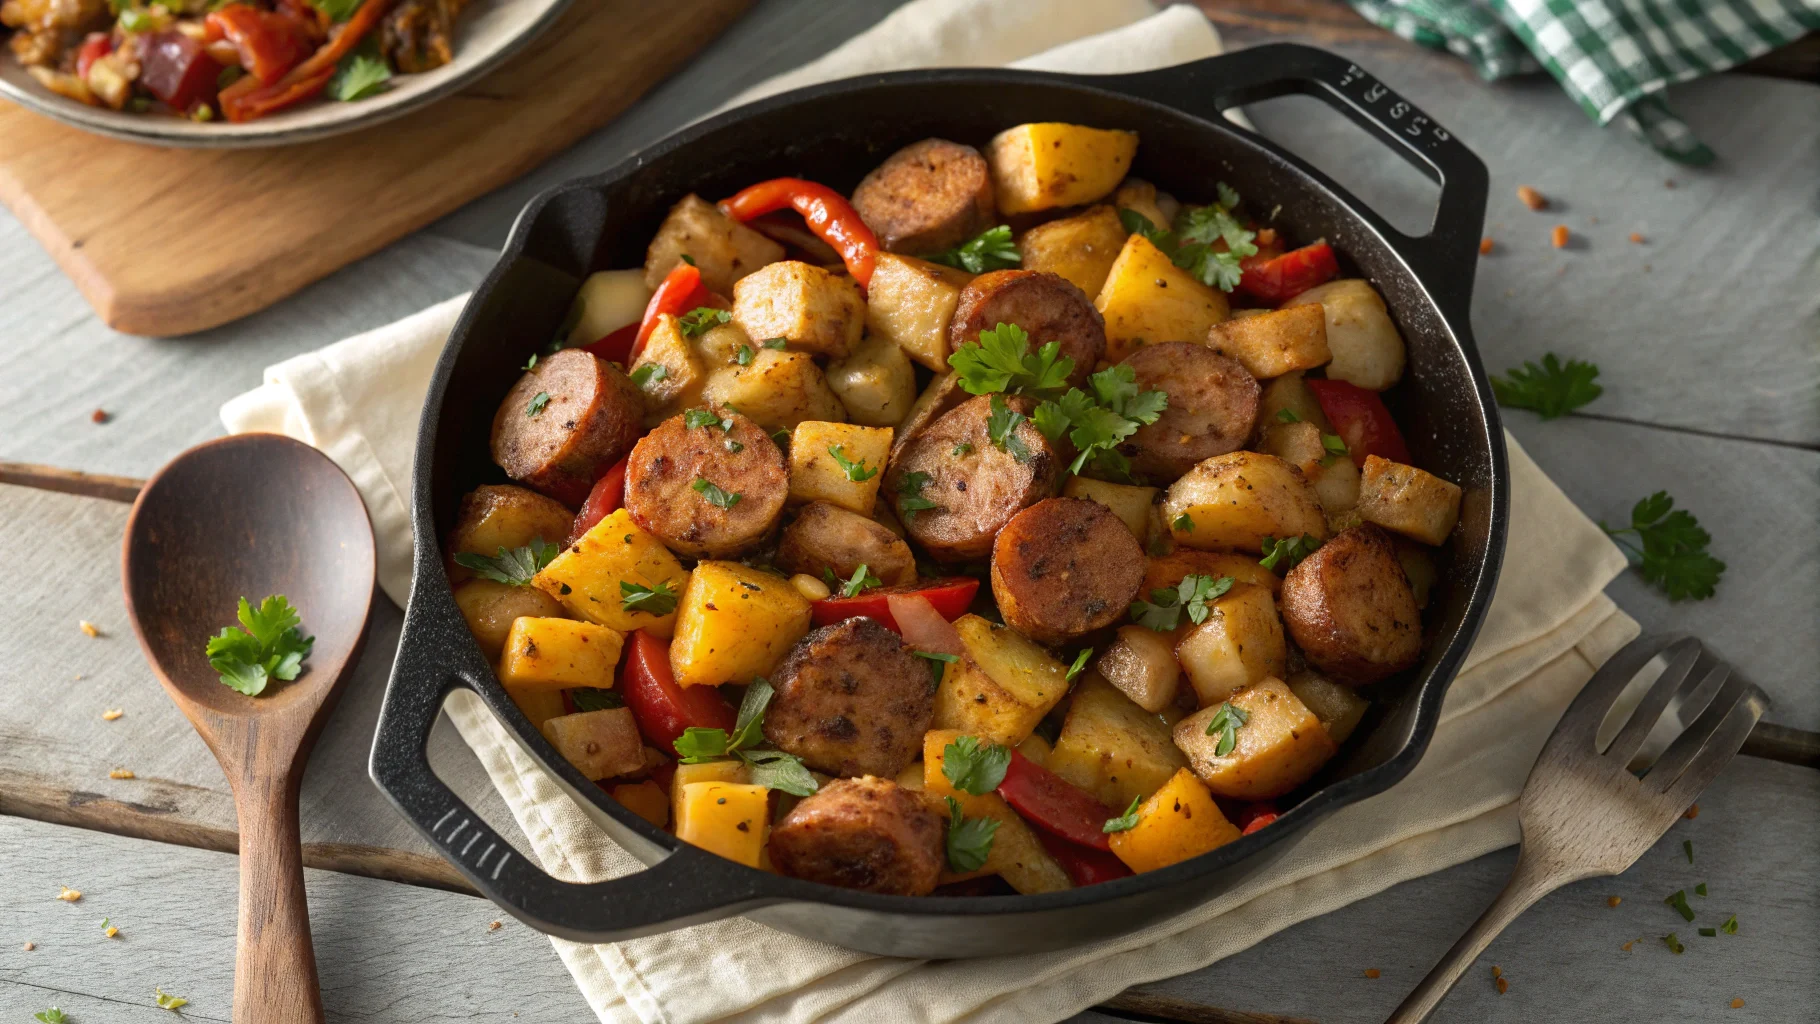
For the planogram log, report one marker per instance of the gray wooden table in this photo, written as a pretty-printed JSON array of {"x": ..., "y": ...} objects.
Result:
[{"x": 1708, "y": 335}]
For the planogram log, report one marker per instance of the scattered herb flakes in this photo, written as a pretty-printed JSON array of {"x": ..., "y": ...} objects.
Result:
[
  {"x": 1183, "y": 522},
  {"x": 1708, "y": 932},
  {"x": 1673, "y": 942},
  {"x": 975, "y": 766},
  {"x": 992, "y": 249},
  {"x": 1687, "y": 847},
  {"x": 514, "y": 568},
  {"x": 590, "y": 698},
  {"x": 969, "y": 839},
  {"x": 744, "y": 356},
  {"x": 111, "y": 714},
  {"x": 700, "y": 320},
  {"x": 53, "y": 1015},
  {"x": 704, "y": 419},
  {"x": 1080, "y": 662},
  {"x": 1163, "y": 612},
  {"x": 938, "y": 663},
  {"x": 733, "y": 446},
  {"x": 962, "y": 449},
  {"x": 776, "y": 344},
  {"x": 1287, "y": 416},
  {"x": 1335, "y": 446},
  {"x": 1669, "y": 548},
  {"x": 715, "y": 496},
  {"x": 1678, "y": 900},
  {"x": 658, "y": 600},
  {"x": 862, "y": 580},
  {"x": 1730, "y": 927},
  {"x": 1124, "y": 822},
  {"x": 1002, "y": 422},
  {"x": 650, "y": 373},
  {"x": 530, "y": 364},
  {"x": 1700, "y": 890},
  {"x": 69, "y": 895},
  {"x": 108, "y": 929},
  {"x": 1225, "y": 724},
  {"x": 1287, "y": 553},
  {"x": 910, "y": 486},
  {"x": 121, "y": 773},
  {"x": 857, "y": 472},
  {"x": 170, "y": 1002},
  {"x": 538, "y": 402}
]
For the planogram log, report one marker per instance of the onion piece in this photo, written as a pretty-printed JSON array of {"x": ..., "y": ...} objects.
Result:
[{"x": 922, "y": 626}]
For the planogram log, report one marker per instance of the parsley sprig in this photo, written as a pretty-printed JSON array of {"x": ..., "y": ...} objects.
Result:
[
  {"x": 1225, "y": 724},
  {"x": 1287, "y": 553},
  {"x": 362, "y": 73},
  {"x": 1001, "y": 360},
  {"x": 700, "y": 320},
  {"x": 975, "y": 766},
  {"x": 1097, "y": 423},
  {"x": 1080, "y": 662},
  {"x": 1002, "y": 422},
  {"x": 656, "y": 600},
  {"x": 938, "y": 664},
  {"x": 1668, "y": 546},
  {"x": 991, "y": 249},
  {"x": 650, "y": 373},
  {"x": 857, "y": 471},
  {"x": 1163, "y": 612},
  {"x": 862, "y": 580},
  {"x": 514, "y": 568},
  {"x": 270, "y": 646},
  {"x": 969, "y": 839},
  {"x": 54, "y": 1015},
  {"x": 773, "y": 769},
  {"x": 910, "y": 491},
  {"x": 1191, "y": 245},
  {"x": 1124, "y": 822},
  {"x": 591, "y": 698},
  {"x": 1551, "y": 389},
  {"x": 715, "y": 496}
]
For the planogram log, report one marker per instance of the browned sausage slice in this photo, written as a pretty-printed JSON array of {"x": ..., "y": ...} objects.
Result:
[
  {"x": 929, "y": 196},
  {"x": 828, "y": 537},
  {"x": 1065, "y": 567},
  {"x": 851, "y": 700},
  {"x": 868, "y": 833},
  {"x": 742, "y": 463},
  {"x": 564, "y": 422},
  {"x": 1045, "y": 305},
  {"x": 1351, "y": 610},
  {"x": 1213, "y": 402},
  {"x": 975, "y": 486}
]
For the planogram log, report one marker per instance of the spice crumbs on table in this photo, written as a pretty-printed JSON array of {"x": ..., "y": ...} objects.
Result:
[
  {"x": 1636, "y": 238},
  {"x": 1670, "y": 183},
  {"x": 1531, "y": 198},
  {"x": 1559, "y": 236},
  {"x": 100, "y": 416},
  {"x": 1503, "y": 985},
  {"x": 1373, "y": 972},
  {"x": 69, "y": 895},
  {"x": 1737, "y": 1004},
  {"x": 493, "y": 926},
  {"x": 110, "y": 714},
  {"x": 88, "y": 627},
  {"x": 1612, "y": 901},
  {"x": 28, "y": 947},
  {"x": 1496, "y": 971},
  {"x": 1592, "y": 220},
  {"x": 108, "y": 929},
  {"x": 1485, "y": 245},
  {"x": 121, "y": 773},
  {"x": 1692, "y": 812}
]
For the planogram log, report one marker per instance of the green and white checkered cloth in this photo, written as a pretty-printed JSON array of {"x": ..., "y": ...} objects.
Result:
[{"x": 1614, "y": 57}]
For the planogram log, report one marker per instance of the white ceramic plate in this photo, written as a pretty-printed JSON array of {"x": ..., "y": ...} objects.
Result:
[{"x": 488, "y": 33}]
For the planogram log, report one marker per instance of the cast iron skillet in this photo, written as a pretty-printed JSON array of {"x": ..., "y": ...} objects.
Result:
[{"x": 835, "y": 133}]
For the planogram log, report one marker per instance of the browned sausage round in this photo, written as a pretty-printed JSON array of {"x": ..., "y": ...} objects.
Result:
[
  {"x": 870, "y": 834},
  {"x": 1213, "y": 402},
  {"x": 1064, "y": 567},
  {"x": 663, "y": 494},
  {"x": 567, "y": 419},
  {"x": 1351, "y": 610},
  {"x": 851, "y": 700},
  {"x": 825, "y": 536},
  {"x": 976, "y": 486},
  {"x": 1046, "y": 306},
  {"x": 929, "y": 196}
]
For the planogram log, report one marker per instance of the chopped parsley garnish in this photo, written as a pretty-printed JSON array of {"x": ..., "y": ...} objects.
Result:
[
  {"x": 1669, "y": 548},
  {"x": 1730, "y": 927},
  {"x": 1335, "y": 446},
  {"x": 1287, "y": 553},
  {"x": 1002, "y": 422},
  {"x": 658, "y": 600},
  {"x": 590, "y": 698},
  {"x": 650, "y": 373},
  {"x": 962, "y": 449},
  {"x": 857, "y": 472},
  {"x": 1287, "y": 416},
  {"x": 1678, "y": 900},
  {"x": 910, "y": 485},
  {"x": 716, "y": 497},
  {"x": 1097, "y": 423},
  {"x": 686, "y": 258},
  {"x": 169, "y": 1002},
  {"x": 360, "y": 74},
  {"x": 531, "y": 363},
  {"x": 1183, "y": 522},
  {"x": 780, "y": 437},
  {"x": 733, "y": 446},
  {"x": 969, "y": 839},
  {"x": 704, "y": 419},
  {"x": 1687, "y": 847},
  {"x": 1673, "y": 943},
  {"x": 938, "y": 663},
  {"x": 53, "y": 1015},
  {"x": 773, "y": 769},
  {"x": 337, "y": 10},
  {"x": 1124, "y": 822},
  {"x": 1549, "y": 390},
  {"x": 1191, "y": 245},
  {"x": 744, "y": 356},
  {"x": 1225, "y": 724},
  {"x": 700, "y": 320},
  {"x": 975, "y": 766},
  {"x": 1163, "y": 612},
  {"x": 270, "y": 646},
  {"x": 538, "y": 402},
  {"x": 776, "y": 344},
  {"x": 1001, "y": 360},
  {"x": 514, "y": 568},
  {"x": 862, "y": 580},
  {"x": 992, "y": 249},
  {"x": 1080, "y": 662},
  {"x": 1700, "y": 890}
]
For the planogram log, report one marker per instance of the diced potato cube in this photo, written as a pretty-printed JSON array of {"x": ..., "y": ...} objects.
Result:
[
  {"x": 646, "y": 799},
  {"x": 559, "y": 654},
  {"x": 607, "y": 301},
  {"x": 1147, "y": 298},
  {"x": 678, "y": 372},
  {"x": 1274, "y": 343},
  {"x": 1280, "y": 745},
  {"x": 600, "y": 744},
  {"x": 720, "y": 345},
  {"x": 1240, "y": 644},
  {"x": 1140, "y": 196},
  {"x": 1290, "y": 392},
  {"x": 490, "y": 607},
  {"x": 1080, "y": 248},
  {"x": 1179, "y": 821},
  {"x": 1334, "y": 477},
  {"x": 1234, "y": 501},
  {"x": 1417, "y": 562},
  {"x": 1338, "y": 707},
  {"x": 815, "y": 310},
  {"x": 1131, "y": 504},
  {"x": 494, "y": 516},
  {"x": 1367, "y": 350},
  {"x": 734, "y": 623},
  {"x": 876, "y": 383},
  {"x": 730, "y": 770},
  {"x": 1003, "y": 685},
  {"x": 911, "y": 302},
  {"x": 725, "y": 818},
  {"x": 777, "y": 391},
  {"x": 1017, "y": 855},
  {"x": 911, "y": 777},
  {"x": 1165, "y": 571},
  {"x": 1112, "y": 748},
  {"x": 588, "y": 576},
  {"x": 1410, "y": 501},
  {"x": 1048, "y": 165},
  {"x": 815, "y": 475},
  {"x": 1141, "y": 663},
  {"x": 539, "y": 704},
  {"x": 1035, "y": 749},
  {"x": 722, "y": 247}
]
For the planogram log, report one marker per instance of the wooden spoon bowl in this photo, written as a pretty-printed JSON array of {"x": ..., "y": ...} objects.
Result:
[{"x": 249, "y": 516}]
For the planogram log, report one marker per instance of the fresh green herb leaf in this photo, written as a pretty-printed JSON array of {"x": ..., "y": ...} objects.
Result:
[
  {"x": 360, "y": 74},
  {"x": 776, "y": 344},
  {"x": 1192, "y": 247},
  {"x": 862, "y": 580},
  {"x": 1700, "y": 890},
  {"x": 170, "y": 1002},
  {"x": 781, "y": 437},
  {"x": 538, "y": 402},
  {"x": 1183, "y": 522},
  {"x": 1687, "y": 847},
  {"x": 969, "y": 839},
  {"x": 1124, "y": 822},
  {"x": 1225, "y": 724},
  {"x": 514, "y": 568},
  {"x": 696, "y": 745},
  {"x": 270, "y": 646},
  {"x": 134, "y": 20},
  {"x": 686, "y": 258},
  {"x": 1098, "y": 422},
  {"x": 1163, "y": 612},
  {"x": 716, "y": 497},
  {"x": 974, "y": 766},
  {"x": 1669, "y": 548},
  {"x": 938, "y": 663},
  {"x": 531, "y": 363},
  {"x": 1673, "y": 943},
  {"x": 658, "y": 600},
  {"x": 744, "y": 356},
  {"x": 1678, "y": 900},
  {"x": 1287, "y": 553},
  {"x": 1002, "y": 422},
  {"x": 1551, "y": 389},
  {"x": 1709, "y": 932},
  {"x": 1335, "y": 446},
  {"x": 749, "y": 725},
  {"x": 962, "y": 449},
  {"x": 1080, "y": 662},
  {"x": 337, "y": 10},
  {"x": 1001, "y": 361},
  {"x": 1730, "y": 927},
  {"x": 775, "y": 769},
  {"x": 698, "y": 321},
  {"x": 992, "y": 249},
  {"x": 910, "y": 486},
  {"x": 704, "y": 419},
  {"x": 1287, "y": 415},
  {"x": 53, "y": 1015},
  {"x": 591, "y": 698},
  {"x": 857, "y": 472}
]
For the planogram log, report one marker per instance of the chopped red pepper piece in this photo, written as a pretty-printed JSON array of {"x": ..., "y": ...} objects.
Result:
[
  {"x": 1255, "y": 816},
  {"x": 1276, "y": 279},
  {"x": 616, "y": 346},
  {"x": 1055, "y": 805},
  {"x": 270, "y": 44},
  {"x": 950, "y": 596},
  {"x": 1085, "y": 865},
  {"x": 249, "y": 98},
  {"x": 608, "y": 496},
  {"x": 827, "y": 213},
  {"x": 96, "y": 46},
  {"x": 661, "y": 708},
  {"x": 1360, "y": 418},
  {"x": 680, "y": 291}
]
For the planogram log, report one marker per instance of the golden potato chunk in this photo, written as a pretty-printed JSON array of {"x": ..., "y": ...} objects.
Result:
[
  {"x": 911, "y": 302},
  {"x": 1338, "y": 707},
  {"x": 726, "y": 818},
  {"x": 777, "y": 390},
  {"x": 826, "y": 538},
  {"x": 722, "y": 247},
  {"x": 1112, "y": 748},
  {"x": 1288, "y": 399},
  {"x": 812, "y": 309},
  {"x": 1278, "y": 744},
  {"x": 559, "y": 654},
  {"x": 494, "y": 516},
  {"x": 490, "y": 608},
  {"x": 1142, "y": 664},
  {"x": 1276, "y": 342},
  {"x": 1367, "y": 350},
  {"x": 1334, "y": 476},
  {"x": 1179, "y": 821},
  {"x": 1017, "y": 855},
  {"x": 734, "y": 623},
  {"x": 838, "y": 463},
  {"x": 1047, "y": 165},
  {"x": 876, "y": 383},
  {"x": 1130, "y": 503},
  {"x": 591, "y": 577},
  {"x": 600, "y": 744},
  {"x": 1080, "y": 248},
  {"x": 669, "y": 372},
  {"x": 1003, "y": 685},
  {"x": 1141, "y": 197},
  {"x": 1234, "y": 501},
  {"x": 1239, "y": 644},
  {"x": 1147, "y": 298},
  {"x": 607, "y": 301},
  {"x": 1413, "y": 502}
]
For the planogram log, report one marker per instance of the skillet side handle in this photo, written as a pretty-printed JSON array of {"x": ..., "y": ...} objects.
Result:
[
  {"x": 690, "y": 886},
  {"x": 1447, "y": 256}
]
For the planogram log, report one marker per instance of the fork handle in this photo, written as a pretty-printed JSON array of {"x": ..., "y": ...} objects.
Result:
[{"x": 1527, "y": 885}]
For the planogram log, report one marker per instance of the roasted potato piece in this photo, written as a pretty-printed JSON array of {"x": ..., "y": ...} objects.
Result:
[
  {"x": 678, "y": 372},
  {"x": 1142, "y": 664},
  {"x": 559, "y": 654},
  {"x": 721, "y": 344},
  {"x": 1413, "y": 502},
  {"x": 607, "y": 301},
  {"x": 1419, "y": 566},
  {"x": 733, "y": 771},
  {"x": 494, "y": 516},
  {"x": 1240, "y": 643},
  {"x": 812, "y": 309},
  {"x": 1048, "y": 165},
  {"x": 1002, "y": 687},
  {"x": 1287, "y": 399},
  {"x": 600, "y": 744},
  {"x": 943, "y": 395},
  {"x": 491, "y": 607},
  {"x": 1179, "y": 821},
  {"x": 778, "y": 390},
  {"x": 734, "y": 623},
  {"x": 910, "y": 302},
  {"x": 1234, "y": 501},
  {"x": 1338, "y": 707},
  {"x": 589, "y": 577},
  {"x": 817, "y": 472},
  {"x": 1140, "y": 196},
  {"x": 1130, "y": 503},
  {"x": 1112, "y": 748},
  {"x": 829, "y": 538},
  {"x": 1165, "y": 571},
  {"x": 1017, "y": 855},
  {"x": 876, "y": 383},
  {"x": 1080, "y": 248},
  {"x": 1351, "y": 610},
  {"x": 1276, "y": 342},
  {"x": 1334, "y": 476},
  {"x": 725, "y": 818},
  {"x": 1367, "y": 350},
  {"x": 722, "y": 247},
  {"x": 1147, "y": 298},
  {"x": 1279, "y": 745}
]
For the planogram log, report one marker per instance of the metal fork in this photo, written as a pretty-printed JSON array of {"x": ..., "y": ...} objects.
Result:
[{"x": 1585, "y": 812}]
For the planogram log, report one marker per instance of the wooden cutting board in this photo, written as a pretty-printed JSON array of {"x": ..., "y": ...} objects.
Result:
[{"x": 170, "y": 241}]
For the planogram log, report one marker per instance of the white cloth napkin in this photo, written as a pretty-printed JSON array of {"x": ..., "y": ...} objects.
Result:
[{"x": 1549, "y": 627}]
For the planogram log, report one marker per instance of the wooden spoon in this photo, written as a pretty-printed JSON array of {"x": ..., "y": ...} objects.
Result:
[{"x": 250, "y": 516}]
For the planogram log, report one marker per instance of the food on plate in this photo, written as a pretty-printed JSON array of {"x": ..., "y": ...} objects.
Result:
[
  {"x": 237, "y": 61},
  {"x": 916, "y": 548}
]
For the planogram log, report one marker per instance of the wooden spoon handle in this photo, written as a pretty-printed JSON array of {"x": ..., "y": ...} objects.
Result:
[{"x": 275, "y": 969}]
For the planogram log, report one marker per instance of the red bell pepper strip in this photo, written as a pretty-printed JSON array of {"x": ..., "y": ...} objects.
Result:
[
  {"x": 616, "y": 346},
  {"x": 1085, "y": 865},
  {"x": 950, "y": 596},
  {"x": 270, "y": 44},
  {"x": 177, "y": 70},
  {"x": 680, "y": 291},
  {"x": 827, "y": 213},
  {"x": 1055, "y": 805},
  {"x": 608, "y": 496},
  {"x": 96, "y": 46},
  {"x": 1255, "y": 816},
  {"x": 1359, "y": 417},
  {"x": 661, "y": 708},
  {"x": 1277, "y": 279},
  {"x": 249, "y": 98}
]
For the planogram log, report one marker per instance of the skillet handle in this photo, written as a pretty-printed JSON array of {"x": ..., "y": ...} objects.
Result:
[
  {"x": 689, "y": 886},
  {"x": 1447, "y": 256}
]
